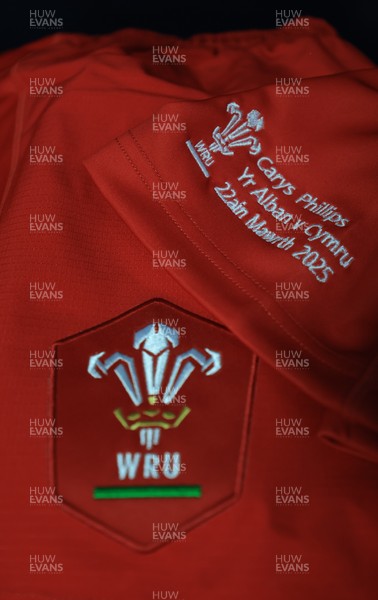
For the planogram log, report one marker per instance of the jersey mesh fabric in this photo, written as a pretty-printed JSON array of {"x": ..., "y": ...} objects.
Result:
[{"x": 101, "y": 124}]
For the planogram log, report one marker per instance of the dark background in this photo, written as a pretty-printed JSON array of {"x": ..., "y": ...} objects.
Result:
[{"x": 357, "y": 22}]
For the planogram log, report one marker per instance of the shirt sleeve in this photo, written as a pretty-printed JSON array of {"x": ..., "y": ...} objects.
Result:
[{"x": 275, "y": 218}]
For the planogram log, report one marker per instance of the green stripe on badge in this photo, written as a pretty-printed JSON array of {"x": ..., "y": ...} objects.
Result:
[{"x": 142, "y": 491}]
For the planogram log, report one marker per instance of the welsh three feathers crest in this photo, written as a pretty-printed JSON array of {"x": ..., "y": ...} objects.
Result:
[
  {"x": 237, "y": 133},
  {"x": 156, "y": 343}
]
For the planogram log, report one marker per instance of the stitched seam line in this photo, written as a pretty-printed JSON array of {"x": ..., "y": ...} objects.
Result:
[
  {"x": 301, "y": 344},
  {"x": 237, "y": 284},
  {"x": 228, "y": 258},
  {"x": 247, "y": 275},
  {"x": 235, "y": 265}
]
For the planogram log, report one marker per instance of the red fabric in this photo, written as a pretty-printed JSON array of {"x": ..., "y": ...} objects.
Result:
[
  {"x": 245, "y": 267},
  {"x": 102, "y": 263}
]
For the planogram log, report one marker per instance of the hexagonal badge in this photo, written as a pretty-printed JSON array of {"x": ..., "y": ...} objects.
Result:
[{"x": 155, "y": 408}]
